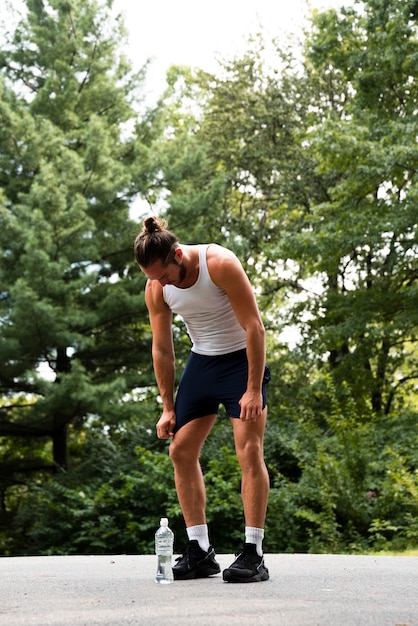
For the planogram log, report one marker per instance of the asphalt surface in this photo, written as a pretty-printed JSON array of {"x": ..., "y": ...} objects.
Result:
[{"x": 309, "y": 590}]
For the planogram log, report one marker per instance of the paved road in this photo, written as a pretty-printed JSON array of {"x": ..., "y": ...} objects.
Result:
[{"x": 303, "y": 590}]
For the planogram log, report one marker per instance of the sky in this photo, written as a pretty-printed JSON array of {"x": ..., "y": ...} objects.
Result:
[{"x": 188, "y": 32}]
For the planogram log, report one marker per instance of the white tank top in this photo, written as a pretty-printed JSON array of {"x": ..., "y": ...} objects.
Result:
[{"x": 207, "y": 313}]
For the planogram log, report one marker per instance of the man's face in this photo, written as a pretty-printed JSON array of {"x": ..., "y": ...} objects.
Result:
[{"x": 172, "y": 274}]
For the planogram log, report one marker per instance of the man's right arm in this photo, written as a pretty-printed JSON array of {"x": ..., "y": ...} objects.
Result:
[{"x": 162, "y": 355}]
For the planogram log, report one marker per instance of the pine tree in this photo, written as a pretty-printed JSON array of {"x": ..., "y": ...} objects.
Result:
[{"x": 74, "y": 339}]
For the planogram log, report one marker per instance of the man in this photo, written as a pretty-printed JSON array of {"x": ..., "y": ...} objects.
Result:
[{"x": 207, "y": 286}]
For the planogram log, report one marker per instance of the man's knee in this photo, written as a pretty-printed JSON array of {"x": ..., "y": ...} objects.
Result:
[
  {"x": 175, "y": 451},
  {"x": 180, "y": 452},
  {"x": 250, "y": 454}
]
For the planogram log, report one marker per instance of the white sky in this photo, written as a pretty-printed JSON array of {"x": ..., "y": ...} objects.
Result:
[{"x": 187, "y": 32}]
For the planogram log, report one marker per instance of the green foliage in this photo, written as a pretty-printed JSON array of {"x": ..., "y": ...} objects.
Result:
[
  {"x": 74, "y": 341},
  {"x": 223, "y": 485},
  {"x": 116, "y": 510},
  {"x": 355, "y": 472},
  {"x": 308, "y": 171}
]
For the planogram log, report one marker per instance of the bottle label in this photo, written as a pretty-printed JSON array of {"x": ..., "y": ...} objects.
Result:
[{"x": 164, "y": 544}]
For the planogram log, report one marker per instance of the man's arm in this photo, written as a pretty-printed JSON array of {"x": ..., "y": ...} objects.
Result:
[
  {"x": 227, "y": 272},
  {"x": 162, "y": 355}
]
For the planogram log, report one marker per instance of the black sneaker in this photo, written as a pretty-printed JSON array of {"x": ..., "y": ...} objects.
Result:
[
  {"x": 248, "y": 567},
  {"x": 195, "y": 563}
]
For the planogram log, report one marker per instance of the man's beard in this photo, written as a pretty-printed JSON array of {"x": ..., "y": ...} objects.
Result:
[{"x": 182, "y": 273}]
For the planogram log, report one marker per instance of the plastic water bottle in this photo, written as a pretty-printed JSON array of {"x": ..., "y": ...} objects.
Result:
[{"x": 164, "y": 540}]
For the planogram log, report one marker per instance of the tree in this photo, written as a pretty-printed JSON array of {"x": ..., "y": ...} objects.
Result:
[
  {"x": 74, "y": 342},
  {"x": 359, "y": 245},
  {"x": 306, "y": 169},
  {"x": 361, "y": 241},
  {"x": 314, "y": 168}
]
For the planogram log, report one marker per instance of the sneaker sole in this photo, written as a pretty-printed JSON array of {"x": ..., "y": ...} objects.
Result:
[
  {"x": 196, "y": 573},
  {"x": 230, "y": 577}
]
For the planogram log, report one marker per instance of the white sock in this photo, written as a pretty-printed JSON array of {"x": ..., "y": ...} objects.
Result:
[
  {"x": 255, "y": 535},
  {"x": 201, "y": 534}
]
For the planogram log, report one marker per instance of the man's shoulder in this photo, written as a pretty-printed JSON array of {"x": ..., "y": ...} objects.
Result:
[
  {"x": 154, "y": 294},
  {"x": 223, "y": 265},
  {"x": 216, "y": 251}
]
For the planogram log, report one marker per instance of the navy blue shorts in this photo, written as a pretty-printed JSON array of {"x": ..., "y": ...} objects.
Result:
[{"x": 208, "y": 381}]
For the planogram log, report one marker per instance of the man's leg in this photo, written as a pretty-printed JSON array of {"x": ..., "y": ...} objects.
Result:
[
  {"x": 249, "y": 565},
  {"x": 255, "y": 479},
  {"x": 185, "y": 450}
]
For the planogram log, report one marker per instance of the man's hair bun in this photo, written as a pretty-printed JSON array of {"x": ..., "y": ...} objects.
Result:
[
  {"x": 154, "y": 224},
  {"x": 154, "y": 243}
]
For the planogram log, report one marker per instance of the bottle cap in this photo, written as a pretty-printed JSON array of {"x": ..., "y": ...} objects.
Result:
[{"x": 163, "y": 521}]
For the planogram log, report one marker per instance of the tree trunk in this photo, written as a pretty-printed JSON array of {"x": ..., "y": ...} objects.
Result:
[
  {"x": 59, "y": 435},
  {"x": 59, "y": 447}
]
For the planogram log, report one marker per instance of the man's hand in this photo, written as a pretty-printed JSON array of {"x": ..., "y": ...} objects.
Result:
[
  {"x": 165, "y": 425},
  {"x": 251, "y": 406}
]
